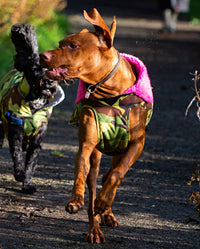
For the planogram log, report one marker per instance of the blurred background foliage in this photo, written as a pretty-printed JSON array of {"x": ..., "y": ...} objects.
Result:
[
  {"x": 194, "y": 13},
  {"x": 49, "y": 21},
  {"x": 46, "y": 16}
]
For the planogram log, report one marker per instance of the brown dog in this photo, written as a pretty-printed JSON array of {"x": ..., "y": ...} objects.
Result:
[{"x": 91, "y": 57}]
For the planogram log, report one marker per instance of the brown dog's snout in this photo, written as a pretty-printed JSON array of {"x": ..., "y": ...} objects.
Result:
[{"x": 45, "y": 56}]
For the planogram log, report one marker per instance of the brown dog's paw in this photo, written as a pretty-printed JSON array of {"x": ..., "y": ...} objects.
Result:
[
  {"x": 95, "y": 236},
  {"x": 108, "y": 219},
  {"x": 73, "y": 208},
  {"x": 75, "y": 204},
  {"x": 101, "y": 206}
]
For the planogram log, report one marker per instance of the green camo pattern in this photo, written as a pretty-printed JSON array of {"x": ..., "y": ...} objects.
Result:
[
  {"x": 13, "y": 90},
  {"x": 112, "y": 121}
]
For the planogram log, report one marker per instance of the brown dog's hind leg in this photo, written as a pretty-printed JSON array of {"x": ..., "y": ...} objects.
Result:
[
  {"x": 121, "y": 163},
  {"x": 88, "y": 139},
  {"x": 108, "y": 219}
]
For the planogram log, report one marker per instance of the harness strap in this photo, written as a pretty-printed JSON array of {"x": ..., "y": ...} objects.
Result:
[{"x": 92, "y": 88}]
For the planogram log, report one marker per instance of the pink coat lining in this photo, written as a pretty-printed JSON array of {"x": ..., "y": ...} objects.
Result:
[{"x": 141, "y": 88}]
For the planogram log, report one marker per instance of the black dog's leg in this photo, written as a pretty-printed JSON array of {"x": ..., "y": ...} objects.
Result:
[
  {"x": 15, "y": 137},
  {"x": 32, "y": 158}
]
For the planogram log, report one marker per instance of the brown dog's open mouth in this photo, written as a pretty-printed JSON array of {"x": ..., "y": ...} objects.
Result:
[{"x": 59, "y": 73}]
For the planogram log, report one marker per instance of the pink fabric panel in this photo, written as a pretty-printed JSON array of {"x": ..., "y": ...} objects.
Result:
[{"x": 141, "y": 88}]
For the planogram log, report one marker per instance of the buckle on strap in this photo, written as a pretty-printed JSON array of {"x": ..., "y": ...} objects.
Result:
[{"x": 13, "y": 119}]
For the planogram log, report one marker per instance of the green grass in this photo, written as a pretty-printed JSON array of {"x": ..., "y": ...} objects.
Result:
[{"x": 58, "y": 153}]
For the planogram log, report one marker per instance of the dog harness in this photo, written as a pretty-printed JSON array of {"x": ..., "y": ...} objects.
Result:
[
  {"x": 14, "y": 88},
  {"x": 112, "y": 114}
]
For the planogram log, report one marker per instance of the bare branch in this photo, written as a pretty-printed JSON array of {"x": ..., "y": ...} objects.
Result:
[
  {"x": 190, "y": 104},
  {"x": 196, "y": 78},
  {"x": 197, "y": 96}
]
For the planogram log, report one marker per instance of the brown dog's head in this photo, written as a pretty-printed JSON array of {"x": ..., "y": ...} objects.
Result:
[{"x": 86, "y": 55}]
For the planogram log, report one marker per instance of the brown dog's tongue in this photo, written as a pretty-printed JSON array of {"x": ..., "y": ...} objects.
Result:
[{"x": 57, "y": 74}]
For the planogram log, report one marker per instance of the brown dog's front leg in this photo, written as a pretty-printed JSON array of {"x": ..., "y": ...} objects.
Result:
[
  {"x": 88, "y": 139},
  {"x": 94, "y": 235},
  {"x": 82, "y": 166}
]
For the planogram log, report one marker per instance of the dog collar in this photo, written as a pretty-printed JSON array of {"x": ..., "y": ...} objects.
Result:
[{"x": 92, "y": 88}]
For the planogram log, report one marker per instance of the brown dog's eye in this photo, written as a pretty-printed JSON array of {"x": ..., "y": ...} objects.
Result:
[{"x": 72, "y": 46}]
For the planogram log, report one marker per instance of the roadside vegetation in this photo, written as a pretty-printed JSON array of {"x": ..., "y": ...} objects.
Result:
[
  {"x": 46, "y": 16},
  {"x": 49, "y": 21}
]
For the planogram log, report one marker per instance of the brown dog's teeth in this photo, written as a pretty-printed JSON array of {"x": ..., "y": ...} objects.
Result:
[{"x": 52, "y": 69}]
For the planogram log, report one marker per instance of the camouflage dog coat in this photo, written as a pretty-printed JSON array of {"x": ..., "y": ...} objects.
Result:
[
  {"x": 112, "y": 119},
  {"x": 13, "y": 91}
]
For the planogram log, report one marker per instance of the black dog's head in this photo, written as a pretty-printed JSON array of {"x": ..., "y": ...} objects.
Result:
[{"x": 27, "y": 61}]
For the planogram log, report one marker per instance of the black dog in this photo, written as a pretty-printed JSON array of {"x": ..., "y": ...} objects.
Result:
[{"x": 27, "y": 98}]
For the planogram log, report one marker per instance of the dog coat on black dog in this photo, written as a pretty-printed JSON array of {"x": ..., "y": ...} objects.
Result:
[
  {"x": 27, "y": 98},
  {"x": 14, "y": 89}
]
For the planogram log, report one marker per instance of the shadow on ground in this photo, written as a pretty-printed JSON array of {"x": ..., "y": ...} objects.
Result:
[{"x": 152, "y": 203}]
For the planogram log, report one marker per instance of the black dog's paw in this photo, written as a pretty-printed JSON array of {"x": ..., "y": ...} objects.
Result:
[
  {"x": 29, "y": 189},
  {"x": 19, "y": 176}
]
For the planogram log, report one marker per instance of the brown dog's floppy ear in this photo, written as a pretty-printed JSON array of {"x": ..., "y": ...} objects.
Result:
[{"x": 100, "y": 26}]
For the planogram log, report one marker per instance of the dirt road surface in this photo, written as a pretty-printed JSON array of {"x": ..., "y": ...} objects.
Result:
[{"x": 152, "y": 203}]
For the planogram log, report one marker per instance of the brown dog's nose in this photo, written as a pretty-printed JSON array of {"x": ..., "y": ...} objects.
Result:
[{"x": 45, "y": 56}]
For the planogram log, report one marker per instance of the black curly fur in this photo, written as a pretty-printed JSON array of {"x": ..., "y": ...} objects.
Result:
[
  {"x": 27, "y": 61},
  {"x": 25, "y": 40}
]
